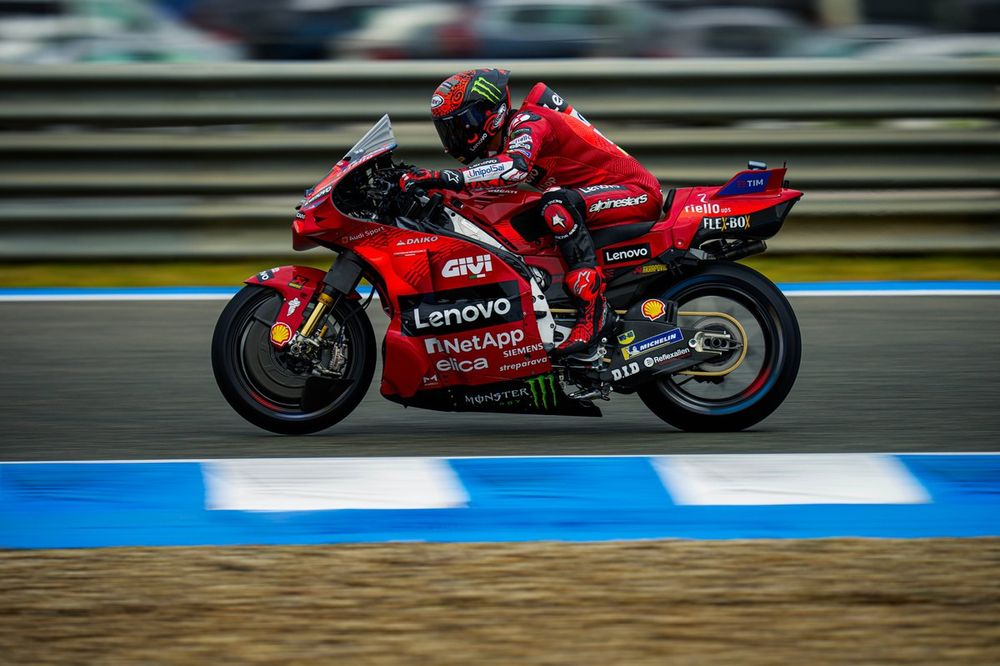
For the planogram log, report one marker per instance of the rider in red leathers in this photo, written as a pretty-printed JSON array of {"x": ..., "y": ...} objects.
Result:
[{"x": 587, "y": 180}]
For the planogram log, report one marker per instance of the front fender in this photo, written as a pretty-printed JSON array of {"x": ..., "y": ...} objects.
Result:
[{"x": 297, "y": 286}]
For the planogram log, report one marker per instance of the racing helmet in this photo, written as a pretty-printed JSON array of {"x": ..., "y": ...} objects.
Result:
[{"x": 469, "y": 109}]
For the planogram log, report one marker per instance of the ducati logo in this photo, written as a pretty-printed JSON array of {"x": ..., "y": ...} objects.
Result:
[
  {"x": 472, "y": 267},
  {"x": 558, "y": 221}
]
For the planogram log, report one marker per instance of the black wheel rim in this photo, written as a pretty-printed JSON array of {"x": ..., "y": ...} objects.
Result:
[
  {"x": 746, "y": 385},
  {"x": 271, "y": 377}
]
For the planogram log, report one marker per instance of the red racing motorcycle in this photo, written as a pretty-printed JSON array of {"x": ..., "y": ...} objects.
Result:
[{"x": 475, "y": 305}]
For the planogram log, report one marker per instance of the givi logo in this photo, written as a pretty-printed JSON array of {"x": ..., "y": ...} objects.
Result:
[{"x": 473, "y": 267}]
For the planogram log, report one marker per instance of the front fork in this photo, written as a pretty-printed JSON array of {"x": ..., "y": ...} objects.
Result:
[
  {"x": 323, "y": 303},
  {"x": 341, "y": 280}
]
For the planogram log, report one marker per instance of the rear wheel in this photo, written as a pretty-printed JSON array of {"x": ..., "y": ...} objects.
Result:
[
  {"x": 738, "y": 389},
  {"x": 266, "y": 385}
]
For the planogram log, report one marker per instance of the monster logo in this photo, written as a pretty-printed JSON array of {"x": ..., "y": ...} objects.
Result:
[
  {"x": 543, "y": 388},
  {"x": 486, "y": 89}
]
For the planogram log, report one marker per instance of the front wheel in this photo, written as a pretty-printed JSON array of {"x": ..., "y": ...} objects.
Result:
[
  {"x": 745, "y": 387},
  {"x": 266, "y": 385}
]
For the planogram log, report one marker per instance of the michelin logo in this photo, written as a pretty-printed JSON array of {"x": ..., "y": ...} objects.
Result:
[{"x": 649, "y": 344}]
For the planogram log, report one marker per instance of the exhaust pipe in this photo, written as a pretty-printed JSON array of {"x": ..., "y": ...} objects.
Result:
[{"x": 743, "y": 250}]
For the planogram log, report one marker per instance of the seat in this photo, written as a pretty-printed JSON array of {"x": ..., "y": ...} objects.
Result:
[
  {"x": 623, "y": 232},
  {"x": 619, "y": 233}
]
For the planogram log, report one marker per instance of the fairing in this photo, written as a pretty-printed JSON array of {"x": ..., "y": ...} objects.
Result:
[
  {"x": 463, "y": 326},
  {"x": 297, "y": 285},
  {"x": 752, "y": 206}
]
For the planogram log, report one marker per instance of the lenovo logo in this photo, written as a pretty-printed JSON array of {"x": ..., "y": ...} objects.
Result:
[
  {"x": 628, "y": 253},
  {"x": 456, "y": 316},
  {"x": 457, "y": 310}
]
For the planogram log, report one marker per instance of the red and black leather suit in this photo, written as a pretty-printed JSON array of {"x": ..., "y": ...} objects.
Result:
[
  {"x": 586, "y": 178},
  {"x": 587, "y": 181}
]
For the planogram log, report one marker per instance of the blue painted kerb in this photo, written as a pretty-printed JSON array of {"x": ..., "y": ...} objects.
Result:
[{"x": 73, "y": 505}]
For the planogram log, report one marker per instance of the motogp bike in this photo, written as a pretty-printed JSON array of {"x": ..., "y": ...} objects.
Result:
[{"x": 475, "y": 306}]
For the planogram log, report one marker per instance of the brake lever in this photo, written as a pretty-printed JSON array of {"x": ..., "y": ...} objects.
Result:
[{"x": 432, "y": 208}]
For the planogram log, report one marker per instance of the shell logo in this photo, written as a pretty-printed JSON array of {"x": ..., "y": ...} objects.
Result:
[
  {"x": 280, "y": 333},
  {"x": 653, "y": 309}
]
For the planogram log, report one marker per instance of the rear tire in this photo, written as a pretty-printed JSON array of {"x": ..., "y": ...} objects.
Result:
[
  {"x": 776, "y": 345},
  {"x": 262, "y": 383}
]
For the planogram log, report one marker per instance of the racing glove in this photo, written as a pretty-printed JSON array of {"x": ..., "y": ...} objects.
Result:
[{"x": 446, "y": 179}]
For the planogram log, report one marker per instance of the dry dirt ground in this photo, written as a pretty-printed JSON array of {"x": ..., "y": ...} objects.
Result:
[{"x": 778, "y": 602}]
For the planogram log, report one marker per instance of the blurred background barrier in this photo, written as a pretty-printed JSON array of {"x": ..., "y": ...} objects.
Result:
[{"x": 205, "y": 161}]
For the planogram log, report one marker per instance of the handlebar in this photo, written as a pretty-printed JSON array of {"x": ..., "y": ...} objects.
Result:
[{"x": 420, "y": 215}]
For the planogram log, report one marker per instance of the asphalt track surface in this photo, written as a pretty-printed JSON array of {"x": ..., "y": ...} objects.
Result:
[{"x": 132, "y": 380}]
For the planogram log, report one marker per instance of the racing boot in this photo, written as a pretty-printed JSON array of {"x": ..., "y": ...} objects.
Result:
[{"x": 594, "y": 317}]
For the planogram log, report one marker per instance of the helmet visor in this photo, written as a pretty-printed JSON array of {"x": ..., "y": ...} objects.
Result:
[{"x": 461, "y": 132}]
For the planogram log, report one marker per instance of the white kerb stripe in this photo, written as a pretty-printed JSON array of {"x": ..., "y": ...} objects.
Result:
[
  {"x": 774, "y": 479},
  {"x": 315, "y": 484}
]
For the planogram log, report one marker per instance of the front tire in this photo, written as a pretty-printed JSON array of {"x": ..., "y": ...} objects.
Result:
[
  {"x": 753, "y": 391},
  {"x": 265, "y": 385}
]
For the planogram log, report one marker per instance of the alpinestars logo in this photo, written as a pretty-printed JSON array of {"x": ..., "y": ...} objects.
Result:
[
  {"x": 627, "y": 253},
  {"x": 473, "y": 267},
  {"x": 543, "y": 391},
  {"x": 582, "y": 282},
  {"x": 605, "y": 204}
]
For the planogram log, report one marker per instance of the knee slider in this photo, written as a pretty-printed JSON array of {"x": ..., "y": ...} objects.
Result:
[{"x": 563, "y": 211}]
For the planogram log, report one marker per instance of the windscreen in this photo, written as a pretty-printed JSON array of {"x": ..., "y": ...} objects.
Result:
[
  {"x": 376, "y": 140},
  {"x": 378, "y": 137}
]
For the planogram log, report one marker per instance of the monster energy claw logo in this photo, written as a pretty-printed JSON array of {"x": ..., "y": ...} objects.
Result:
[
  {"x": 542, "y": 389},
  {"x": 486, "y": 89}
]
